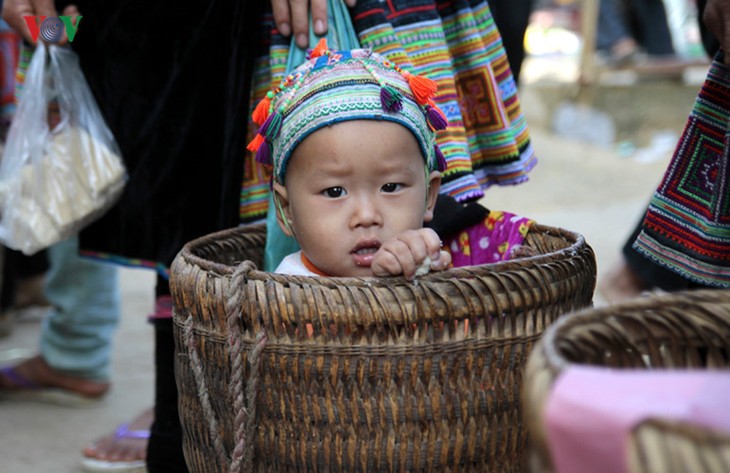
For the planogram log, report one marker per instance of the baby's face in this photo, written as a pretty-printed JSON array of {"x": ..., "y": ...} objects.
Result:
[{"x": 352, "y": 186}]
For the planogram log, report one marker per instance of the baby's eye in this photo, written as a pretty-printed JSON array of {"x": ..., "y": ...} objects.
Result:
[
  {"x": 390, "y": 187},
  {"x": 334, "y": 192}
]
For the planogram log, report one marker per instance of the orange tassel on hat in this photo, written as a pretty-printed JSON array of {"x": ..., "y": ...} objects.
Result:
[
  {"x": 320, "y": 49},
  {"x": 423, "y": 88},
  {"x": 261, "y": 112},
  {"x": 256, "y": 142}
]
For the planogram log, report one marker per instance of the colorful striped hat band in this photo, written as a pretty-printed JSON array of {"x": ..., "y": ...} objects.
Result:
[{"x": 338, "y": 86}]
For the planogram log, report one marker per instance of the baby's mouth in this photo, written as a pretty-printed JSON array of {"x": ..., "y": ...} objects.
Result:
[
  {"x": 366, "y": 248},
  {"x": 364, "y": 251}
]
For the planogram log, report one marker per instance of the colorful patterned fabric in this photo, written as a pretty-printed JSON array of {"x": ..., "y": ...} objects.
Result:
[
  {"x": 455, "y": 43},
  {"x": 491, "y": 241},
  {"x": 687, "y": 225},
  {"x": 9, "y": 44},
  {"x": 339, "y": 86},
  {"x": 24, "y": 56}
]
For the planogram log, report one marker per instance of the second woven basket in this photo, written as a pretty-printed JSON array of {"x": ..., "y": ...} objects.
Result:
[
  {"x": 284, "y": 373},
  {"x": 686, "y": 330}
]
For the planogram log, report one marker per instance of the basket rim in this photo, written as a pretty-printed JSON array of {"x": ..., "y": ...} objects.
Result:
[
  {"x": 626, "y": 309},
  {"x": 577, "y": 242},
  {"x": 699, "y": 433}
]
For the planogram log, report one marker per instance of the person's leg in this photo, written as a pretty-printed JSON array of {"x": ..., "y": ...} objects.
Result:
[
  {"x": 164, "y": 451},
  {"x": 30, "y": 273},
  {"x": 650, "y": 27},
  {"x": 76, "y": 337},
  {"x": 709, "y": 42},
  {"x": 17, "y": 270},
  {"x": 21, "y": 284},
  {"x": 612, "y": 27},
  {"x": 512, "y": 18},
  {"x": 121, "y": 451}
]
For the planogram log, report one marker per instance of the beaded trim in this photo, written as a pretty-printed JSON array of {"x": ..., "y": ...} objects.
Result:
[{"x": 342, "y": 92}]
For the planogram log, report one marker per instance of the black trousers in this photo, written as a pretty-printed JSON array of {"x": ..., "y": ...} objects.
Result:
[
  {"x": 648, "y": 23},
  {"x": 164, "y": 451}
]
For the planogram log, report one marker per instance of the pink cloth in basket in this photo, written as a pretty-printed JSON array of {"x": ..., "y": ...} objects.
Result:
[{"x": 592, "y": 411}]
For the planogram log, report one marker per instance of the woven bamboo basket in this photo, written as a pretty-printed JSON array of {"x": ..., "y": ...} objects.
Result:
[
  {"x": 287, "y": 373},
  {"x": 681, "y": 330}
]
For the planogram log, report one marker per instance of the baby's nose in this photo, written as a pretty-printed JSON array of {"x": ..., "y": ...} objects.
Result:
[{"x": 366, "y": 213}]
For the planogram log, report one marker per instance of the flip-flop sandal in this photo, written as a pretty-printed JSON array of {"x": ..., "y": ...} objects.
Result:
[
  {"x": 134, "y": 466},
  {"x": 28, "y": 390}
]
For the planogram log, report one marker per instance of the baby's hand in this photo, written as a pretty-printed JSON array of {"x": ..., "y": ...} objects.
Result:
[{"x": 405, "y": 253}]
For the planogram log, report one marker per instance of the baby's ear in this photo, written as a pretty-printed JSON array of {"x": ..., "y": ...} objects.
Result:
[
  {"x": 281, "y": 201},
  {"x": 432, "y": 191}
]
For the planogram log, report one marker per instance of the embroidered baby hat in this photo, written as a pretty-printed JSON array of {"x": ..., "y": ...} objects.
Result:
[{"x": 337, "y": 86}]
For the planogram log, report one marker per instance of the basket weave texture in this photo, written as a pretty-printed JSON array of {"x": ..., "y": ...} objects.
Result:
[
  {"x": 683, "y": 330},
  {"x": 288, "y": 373}
]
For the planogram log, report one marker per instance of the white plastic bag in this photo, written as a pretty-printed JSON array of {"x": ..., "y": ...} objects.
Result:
[{"x": 59, "y": 170}]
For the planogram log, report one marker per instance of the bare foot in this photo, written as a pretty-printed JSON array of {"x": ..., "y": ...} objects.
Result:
[
  {"x": 35, "y": 374},
  {"x": 620, "y": 283},
  {"x": 126, "y": 446}
]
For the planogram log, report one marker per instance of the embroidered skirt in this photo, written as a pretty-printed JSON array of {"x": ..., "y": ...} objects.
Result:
[{"x": 687, "y": 224}]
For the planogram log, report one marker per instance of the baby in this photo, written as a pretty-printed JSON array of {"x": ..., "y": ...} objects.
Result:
[{"x": 351, "y": 138}]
